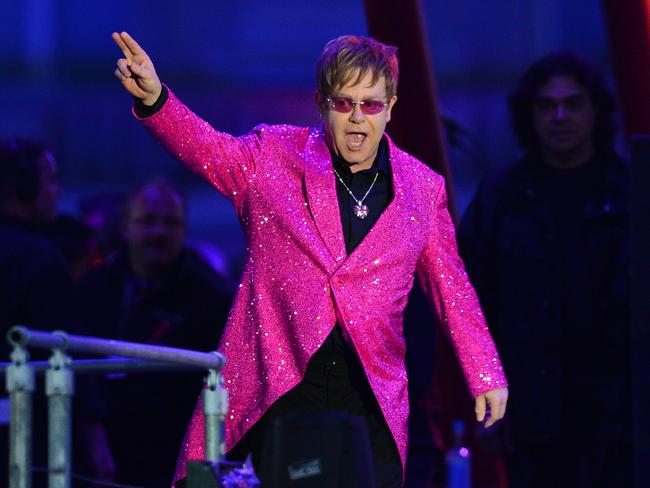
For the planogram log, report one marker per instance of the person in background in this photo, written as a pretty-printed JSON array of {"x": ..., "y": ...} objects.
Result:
[
  {"x": 156, "y": 291},
  {"x": 36, "y": 289},
  {"x": 545, "y": 243},
  {"x": 35, "y": 286}
]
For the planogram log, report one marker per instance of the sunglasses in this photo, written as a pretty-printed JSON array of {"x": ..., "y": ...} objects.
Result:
[{"x": 345, "y": 105}]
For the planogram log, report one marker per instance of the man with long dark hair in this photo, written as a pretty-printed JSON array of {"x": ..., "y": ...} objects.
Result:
[{"x": 545, "y": 245}]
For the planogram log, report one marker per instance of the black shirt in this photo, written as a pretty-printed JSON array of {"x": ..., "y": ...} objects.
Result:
[{"x": 381, "y": 193}]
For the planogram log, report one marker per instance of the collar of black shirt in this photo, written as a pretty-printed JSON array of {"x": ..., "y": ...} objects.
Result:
[{"x": 380, "y": 164}]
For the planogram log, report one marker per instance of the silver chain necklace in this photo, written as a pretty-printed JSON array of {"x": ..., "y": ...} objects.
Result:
[{"x": 360, "y": 210}]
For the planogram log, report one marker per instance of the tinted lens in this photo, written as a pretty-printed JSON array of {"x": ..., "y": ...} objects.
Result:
[
  {"x": 341, "y": 104},
  {"x": 372, "y": 107},
  {"x": 345, "y": 105}
]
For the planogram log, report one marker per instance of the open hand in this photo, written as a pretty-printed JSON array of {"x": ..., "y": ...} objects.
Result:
[
  {"x": 496, "y": 401},
  {"x": 136, "y": 71}
]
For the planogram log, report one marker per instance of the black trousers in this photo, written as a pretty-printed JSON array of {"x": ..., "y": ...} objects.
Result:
[{"x": 334, "y": 382}]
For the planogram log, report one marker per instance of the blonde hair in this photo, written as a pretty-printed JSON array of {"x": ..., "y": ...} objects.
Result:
[{"x": 349, "y": 58}]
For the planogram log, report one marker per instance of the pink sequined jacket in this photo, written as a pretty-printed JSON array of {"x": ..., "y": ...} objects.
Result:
[{"x": 298, "y": 281}]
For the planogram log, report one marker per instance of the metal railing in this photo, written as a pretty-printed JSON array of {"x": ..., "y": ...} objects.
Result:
[{"x": 59, "y": 388}]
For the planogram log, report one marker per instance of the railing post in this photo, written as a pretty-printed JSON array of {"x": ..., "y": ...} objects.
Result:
[
  {"x": 215, "y": 408},
  {"x": 59, "y": 387},
  {"x": 20, "y": 386}
]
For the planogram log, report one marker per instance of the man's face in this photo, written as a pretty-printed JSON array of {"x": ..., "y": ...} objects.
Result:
[
  {"x": 155, "y": 229},
  {"x": 563, "y": 117},
  {"x": 44, "y": 206},
  {"x": 355, "y": 136}
]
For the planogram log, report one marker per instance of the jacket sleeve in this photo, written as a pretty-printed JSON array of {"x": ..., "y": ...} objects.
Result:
[
  {"x": 445, "y": 282},
  {"x": 225, "y": 161}
]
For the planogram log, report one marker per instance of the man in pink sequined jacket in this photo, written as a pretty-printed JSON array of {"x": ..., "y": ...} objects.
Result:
[{"x": 337, "y": 220}]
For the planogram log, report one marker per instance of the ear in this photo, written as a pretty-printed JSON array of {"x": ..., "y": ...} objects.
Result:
[{"x": 389, "y": 108}]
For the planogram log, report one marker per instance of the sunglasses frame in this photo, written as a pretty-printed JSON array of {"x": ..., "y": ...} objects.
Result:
[{"x": 363, "y": 105}]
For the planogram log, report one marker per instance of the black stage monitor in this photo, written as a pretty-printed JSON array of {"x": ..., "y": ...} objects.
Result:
[{"x": 317, "y": 450}]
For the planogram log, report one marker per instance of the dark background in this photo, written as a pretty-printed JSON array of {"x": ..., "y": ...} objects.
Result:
[{"x": 241, "y": 63}]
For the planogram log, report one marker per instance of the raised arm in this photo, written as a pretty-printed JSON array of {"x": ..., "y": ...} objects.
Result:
[
  {"x": 227, "y": 162},
  {"x": 136, "y": 70}
]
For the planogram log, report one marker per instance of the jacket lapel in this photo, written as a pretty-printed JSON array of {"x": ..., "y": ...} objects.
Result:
[{"x": 323, "y": 202}]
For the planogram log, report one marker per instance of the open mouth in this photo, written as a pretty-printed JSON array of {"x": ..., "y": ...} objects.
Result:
[{"x": 354, "y": 140}]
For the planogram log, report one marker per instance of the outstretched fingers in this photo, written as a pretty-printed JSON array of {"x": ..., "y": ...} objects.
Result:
[
  {"x": 131, "y": 44},
  {"x": 122, "y": 45},
  {"x": 128, "y": 46},
  {"x": 135, "y": 70}
]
